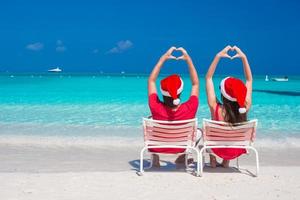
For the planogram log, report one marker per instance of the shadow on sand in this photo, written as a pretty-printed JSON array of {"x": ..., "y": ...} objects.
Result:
[{"x": 167, "y": 166}]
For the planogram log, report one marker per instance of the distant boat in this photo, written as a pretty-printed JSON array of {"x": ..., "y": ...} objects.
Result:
[
  {"x": 267, "y": 78},
  {"x": 284, "y": 79},
  {"x": 57, "y": 69}
]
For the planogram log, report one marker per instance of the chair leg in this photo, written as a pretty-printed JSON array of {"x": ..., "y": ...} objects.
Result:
[
  {"x": 151, "y": 162},
  {"x": 200, "y": 163},
  {"x": 237, "y": 163},
  {"x": 186, "y": 157},
  {"x": 142, "y": 161},
  {"x": 257, "y": 160},
  {"x": 199, "y": 160}
]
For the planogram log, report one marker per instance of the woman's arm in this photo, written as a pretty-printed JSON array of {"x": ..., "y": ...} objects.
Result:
[
  {"x": 210, "y": 90},
  {"x": 153, "y": 76},
  {"x": 192, "y": 70},
  {"x": 248, "y": 75}
]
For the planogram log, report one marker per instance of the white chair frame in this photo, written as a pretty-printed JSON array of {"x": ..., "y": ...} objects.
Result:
[
  {"x": 158, "y": 134},
  {"x": 217, "y": 134}
]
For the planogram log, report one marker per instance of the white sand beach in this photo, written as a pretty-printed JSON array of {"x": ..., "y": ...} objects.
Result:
[{"x": 80, "y": 171}]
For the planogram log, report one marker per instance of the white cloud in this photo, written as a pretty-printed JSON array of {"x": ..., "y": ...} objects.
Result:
[
  {"x": 122, "y": 46},
  {"x": 35, "y": 46},
  {"x": 95, "y": 51},
  {"x": 59, "y": 42},
  {"x": 60, "y": 47}
]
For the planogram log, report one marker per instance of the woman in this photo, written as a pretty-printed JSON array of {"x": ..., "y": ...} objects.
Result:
[
  {"x": 236, "y": 97},
  {"x": 170, "y": 108}
]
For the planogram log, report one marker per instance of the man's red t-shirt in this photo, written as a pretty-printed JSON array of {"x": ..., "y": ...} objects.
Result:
[{"x": 160, "y": 111}]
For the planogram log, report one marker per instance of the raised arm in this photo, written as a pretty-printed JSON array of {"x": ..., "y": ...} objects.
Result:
[
  {"x": 192, "y": 70},
  {"x": 210, "y": 90},
  {"x": 153, "y": 76},
  {"x": 247, "y": 73}
]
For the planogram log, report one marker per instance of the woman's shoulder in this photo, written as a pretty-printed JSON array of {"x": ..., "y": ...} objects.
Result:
[
  {"x": 192, "y": 103},
  {"x": 192, "y": 99}
]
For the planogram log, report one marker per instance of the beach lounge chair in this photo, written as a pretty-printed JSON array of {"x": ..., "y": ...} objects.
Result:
[
  {"x": 170, "y": 134},
  {"x": 217, "y": 134}
]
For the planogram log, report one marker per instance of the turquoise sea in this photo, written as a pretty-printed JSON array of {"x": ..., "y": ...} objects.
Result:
[{"x": 113, "y": 105}]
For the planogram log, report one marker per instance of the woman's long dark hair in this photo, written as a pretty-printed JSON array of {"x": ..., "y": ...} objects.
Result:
[
  {"x": 232, "y": 114},
  {"x": 168, "y": 101}
]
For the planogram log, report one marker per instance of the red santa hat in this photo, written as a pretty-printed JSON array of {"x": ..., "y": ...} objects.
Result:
[
  {"x": 172, "y": 86},
  {"x": 235, "y": 90}
]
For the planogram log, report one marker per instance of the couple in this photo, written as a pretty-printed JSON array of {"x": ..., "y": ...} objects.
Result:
[{"x": 235, "y": 95}]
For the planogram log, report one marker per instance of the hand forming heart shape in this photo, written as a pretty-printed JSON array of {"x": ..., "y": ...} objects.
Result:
[
  {"x": 182, "y": 57},
  {"x": 221, "y": 54},
  {"x": 224, "y": 52}
]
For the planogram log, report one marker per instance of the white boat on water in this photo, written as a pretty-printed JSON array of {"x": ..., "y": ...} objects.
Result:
[
  {"x": 284, "y": 79},
  {"x": 57, "y": 69}
]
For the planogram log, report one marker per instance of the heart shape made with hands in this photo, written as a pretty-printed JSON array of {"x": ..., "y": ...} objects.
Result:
[
  {"x": 180, "y": 57},
  {"x": 232, "y": 53}
]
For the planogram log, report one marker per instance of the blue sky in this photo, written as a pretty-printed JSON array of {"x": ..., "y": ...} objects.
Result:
[{"x": 114, "y": 36}]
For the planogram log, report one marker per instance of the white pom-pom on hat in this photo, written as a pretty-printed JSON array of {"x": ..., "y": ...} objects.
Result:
[
  {"x": 176, "y": 102},
  {"x": 242, "y": 110}
]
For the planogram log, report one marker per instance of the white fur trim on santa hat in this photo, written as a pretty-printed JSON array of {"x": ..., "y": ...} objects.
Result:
[
  {"x": 166, "y": 93},
  {"x": 224, "y": 92},
  {"x": 176, "y": 102},
  {"x": 242, "y": 110}
]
